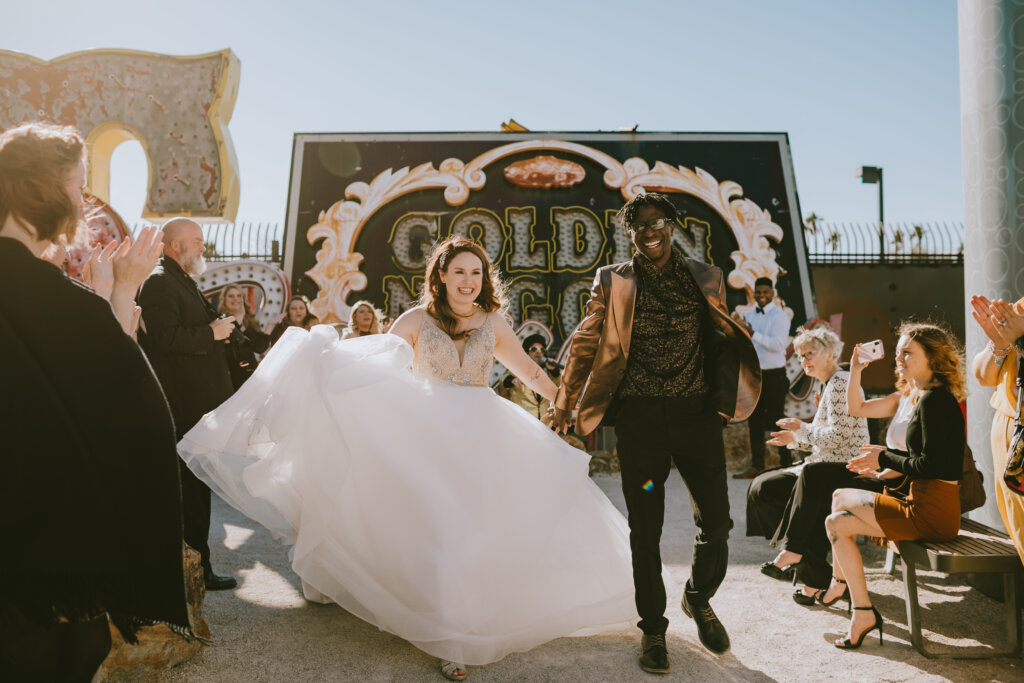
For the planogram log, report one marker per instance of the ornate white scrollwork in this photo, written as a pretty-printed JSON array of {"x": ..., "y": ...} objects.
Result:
[{"x": 337, "y": 264}]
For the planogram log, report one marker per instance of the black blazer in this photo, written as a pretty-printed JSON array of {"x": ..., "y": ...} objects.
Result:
[
  {"x": 936, "y": 439},
  {"x": 191, "y": 366}
]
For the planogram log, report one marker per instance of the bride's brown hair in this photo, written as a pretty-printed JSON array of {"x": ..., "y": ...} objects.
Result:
[{"x": 434, "y": 297}]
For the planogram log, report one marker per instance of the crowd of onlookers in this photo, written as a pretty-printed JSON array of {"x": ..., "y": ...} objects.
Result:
[
  {"x": 98, "y": 391},
  {"x": 845, "y": 487}
]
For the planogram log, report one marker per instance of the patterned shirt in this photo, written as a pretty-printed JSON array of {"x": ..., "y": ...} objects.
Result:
[
  {"x": 669, "y": 321},
  {"x": 834, "y": 435}
]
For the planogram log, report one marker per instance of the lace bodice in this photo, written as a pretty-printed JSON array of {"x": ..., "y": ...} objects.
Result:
[{"x": 437, "y": 356}]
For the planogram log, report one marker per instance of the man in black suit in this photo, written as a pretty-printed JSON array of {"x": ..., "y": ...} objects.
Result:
[{"x": 184, "y": 340}]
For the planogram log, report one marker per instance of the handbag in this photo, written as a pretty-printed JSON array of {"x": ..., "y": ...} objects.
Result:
[
  {"x": 1013, "y": 475},
  {"x": 972, "y": 484}
]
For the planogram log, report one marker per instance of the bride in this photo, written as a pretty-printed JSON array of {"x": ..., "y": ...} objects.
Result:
[{"x": 415, "y": 497}]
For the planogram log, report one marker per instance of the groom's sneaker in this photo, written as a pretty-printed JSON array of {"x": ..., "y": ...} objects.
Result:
[
  {"x": 654, "y": 659},
  {"x": 709, "y": 628}
]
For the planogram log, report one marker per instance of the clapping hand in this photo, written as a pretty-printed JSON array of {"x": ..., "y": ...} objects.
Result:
[
  {"x": 98, "y": 271},
  {"x": 782, "y": 439},
  {"x": 134, "y": 262},
  {"x": 1000, "y": 321},
  {"x": 742, "y": 321},
  {"x": 790, "y": 424},
  {"x": 867, "y": 461}
]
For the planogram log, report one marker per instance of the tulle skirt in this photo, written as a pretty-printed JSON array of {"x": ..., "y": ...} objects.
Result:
[{"x": 441, "y": 513}]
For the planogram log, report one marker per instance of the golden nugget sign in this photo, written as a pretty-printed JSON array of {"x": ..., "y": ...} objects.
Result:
[
  {"x": 177, "y": 107},
  {"x": 364, "y": 210}
]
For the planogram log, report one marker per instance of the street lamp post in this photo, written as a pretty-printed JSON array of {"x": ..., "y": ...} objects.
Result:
[{"x": 873, "y": 174}]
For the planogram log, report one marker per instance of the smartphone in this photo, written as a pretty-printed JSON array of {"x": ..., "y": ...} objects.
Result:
[{"x": 870, "y": 351}]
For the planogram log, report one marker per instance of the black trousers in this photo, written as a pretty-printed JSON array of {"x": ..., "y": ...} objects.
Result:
[
  {"x": 652, "y": 434},
  {"x": 195, "y": 509},
  {"x": 791, "y": 508},
  {"x": 770, "y": 408}
]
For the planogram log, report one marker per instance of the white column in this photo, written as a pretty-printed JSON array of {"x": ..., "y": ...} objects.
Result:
[{"x": 992, "y": 121}]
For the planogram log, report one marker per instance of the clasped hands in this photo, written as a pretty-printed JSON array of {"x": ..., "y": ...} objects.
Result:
[{"x": 559, "y": 420}]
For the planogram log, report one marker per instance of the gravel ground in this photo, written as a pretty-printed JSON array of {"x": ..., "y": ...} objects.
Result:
[{"x": 266, "y": 631}]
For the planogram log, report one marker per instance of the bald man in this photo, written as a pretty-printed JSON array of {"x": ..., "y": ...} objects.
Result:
[{"x": 184, "y": 340}]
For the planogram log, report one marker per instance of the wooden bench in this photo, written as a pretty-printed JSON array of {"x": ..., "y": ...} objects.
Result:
[{"x": 978, "y": 549}]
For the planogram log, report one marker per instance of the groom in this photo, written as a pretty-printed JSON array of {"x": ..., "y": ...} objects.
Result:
[{"x": 658, "y": 355}]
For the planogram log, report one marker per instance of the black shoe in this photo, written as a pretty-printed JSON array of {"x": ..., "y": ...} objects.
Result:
[
  {"x": 217, "y": 583},
  {"x": 712, "y": 634},
  {"x": 801, "y": 598},
  {"x": 781, "y": 573},
  {"x": 847, "y": 644},
  {"x": 844, "y": 596},
  {"x": 654, "y": 659}
]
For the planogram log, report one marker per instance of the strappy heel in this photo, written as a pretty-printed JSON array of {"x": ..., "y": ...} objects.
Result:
[
  {"x": 450, "y": 670},
  {"x": 845, "y": 595},
  {"x": 807, "y": 599},
  {"x": 847, "y": 644}
]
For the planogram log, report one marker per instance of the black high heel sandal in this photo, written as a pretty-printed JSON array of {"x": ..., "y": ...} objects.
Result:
[
  {"x": 807, "y": 599},
  {"x": 787, "y": 573},
  {"x": 845, "y": 595},
  {"x": 847, "y": 644}
]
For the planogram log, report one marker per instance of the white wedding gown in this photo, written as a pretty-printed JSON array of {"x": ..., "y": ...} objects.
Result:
[{"x": 415, "y": 497}]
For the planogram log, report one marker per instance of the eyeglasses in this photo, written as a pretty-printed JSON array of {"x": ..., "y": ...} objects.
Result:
[
  {"x": 536, "y": 348},
  {"x": 808, "y": 355},
  {"x": 656, "y": 224}
]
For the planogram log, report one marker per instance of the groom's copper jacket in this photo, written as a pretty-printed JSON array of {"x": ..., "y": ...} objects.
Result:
[{"x": 598, "y": 352}]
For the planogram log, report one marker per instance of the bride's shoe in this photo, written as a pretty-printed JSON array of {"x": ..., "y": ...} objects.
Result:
[{"x": 453, "y": 671}]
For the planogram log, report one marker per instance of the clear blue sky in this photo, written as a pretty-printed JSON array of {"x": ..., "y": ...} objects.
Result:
[{"x": 872, "y": 82}]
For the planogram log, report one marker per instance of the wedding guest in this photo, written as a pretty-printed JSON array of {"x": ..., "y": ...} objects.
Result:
[
  {"x": 296, "y": 314},
  {"x": 363, "y": 320},
  {"x": 930, "y": 366},
  {"x": 246, "y": 340},
  {"x": 520, "y": 394},
  {"x": 89, "y": 505},
  {"x": 996, "y": 366},
  {"x": 185, "y": 339},
  {"x": 768, "y": 326},
  {"x": 833, "y": 437}
]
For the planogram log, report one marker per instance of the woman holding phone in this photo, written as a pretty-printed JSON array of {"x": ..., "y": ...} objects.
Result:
[{"x": 930, "y": 367}]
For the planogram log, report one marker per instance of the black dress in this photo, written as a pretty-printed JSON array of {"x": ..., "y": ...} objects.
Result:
[{"x": 90, "y": 509}]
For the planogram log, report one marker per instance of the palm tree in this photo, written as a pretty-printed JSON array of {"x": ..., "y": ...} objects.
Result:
[{"x": 811, "y": 223}]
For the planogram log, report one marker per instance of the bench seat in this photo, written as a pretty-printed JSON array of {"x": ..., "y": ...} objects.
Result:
[{"x": 978, "y": 549}]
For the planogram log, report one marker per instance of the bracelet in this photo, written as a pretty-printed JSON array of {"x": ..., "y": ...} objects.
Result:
[{"x": 998, "y": 354}]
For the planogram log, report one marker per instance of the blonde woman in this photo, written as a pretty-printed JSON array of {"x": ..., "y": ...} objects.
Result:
[
  {"x": 363, "y": 320},
  {"x": 247, "y": 340},
  {"x": 789, "y": 505}
]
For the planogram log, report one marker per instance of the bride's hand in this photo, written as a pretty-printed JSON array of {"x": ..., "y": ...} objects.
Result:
[{"x": 561, "y": 420}]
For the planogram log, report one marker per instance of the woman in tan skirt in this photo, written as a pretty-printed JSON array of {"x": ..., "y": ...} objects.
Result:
[
  {"x": 929, "y": 363},
  {"x": 996, "y": 366}
]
